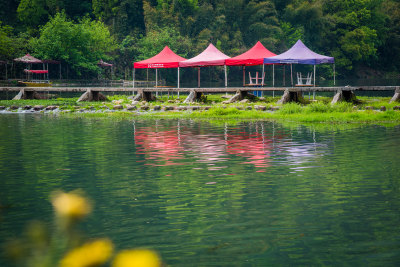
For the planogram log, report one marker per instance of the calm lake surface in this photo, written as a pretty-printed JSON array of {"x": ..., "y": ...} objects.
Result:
[{"x": 202, "y": 194}]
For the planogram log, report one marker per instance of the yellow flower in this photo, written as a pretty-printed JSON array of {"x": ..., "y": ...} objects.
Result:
[
  {"x": 70, "y": 205},
  {"x": 137, "y": 258},
  {"x": 89, "y": 255}
]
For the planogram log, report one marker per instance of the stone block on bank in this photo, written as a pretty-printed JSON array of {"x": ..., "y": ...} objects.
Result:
[
  {"x": 38, "y": 107},
  {"x": 262, "y": 108},
  {"x": 249, "y": 108},
  {"x": 157, "y": 108},
  {"x": 396, "y": 108},
  {"x": 369, "y": 108},
  {"x": 118, "y": 107},
  {"x": 2, "y": 107},
  {"x": 130, "y": 107},
  {"x": 167, "y": 108},
  {"x": 383, "y": 108},
  {"x": 14, "y": 107},
  {"x": 51, "y": 107}
]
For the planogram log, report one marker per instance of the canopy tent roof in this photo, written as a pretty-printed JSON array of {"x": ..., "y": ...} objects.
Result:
[
  {"x": 101, "y": 63},
  {"x": 28, "y": 59},
  {"x": 299, "y": 54},
  {"x": 211, "y": 56},
  {"x": 254, "y": 56},
  {"x": 165, "y": 59},
  {"x": 37, "y": 71}
]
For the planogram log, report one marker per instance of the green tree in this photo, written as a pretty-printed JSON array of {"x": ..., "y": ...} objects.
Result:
[
  {"x": 32, "y": 12},
  {"x": 124, "y": 16},
  {"x": 156, "y": 40},
  {"x": 261, "y": 24},
  {"x": 79, "y": 44},
  {"x": 11, "y": 46}
]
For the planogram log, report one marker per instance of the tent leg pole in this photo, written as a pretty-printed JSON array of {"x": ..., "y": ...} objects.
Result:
[
  {"x": 198, "y": 77},
  {"x": 262, "y": 78},
  {"x": 273, "y": 79},
  {"x": 334, "y": 75},
  {"x": 226, "y": 79},
  {"x": 156, "y": 82},
  {"x": 133, "y": 82},
  {"x": 178, "y": 83},
  {"x": 291, "y": 74},
  {"x": 314, "y": 73},
  {"x": 244, "y": 76}
]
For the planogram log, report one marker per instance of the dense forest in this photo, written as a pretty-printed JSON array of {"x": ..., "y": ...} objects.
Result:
[{"x": 362, "y": 35}]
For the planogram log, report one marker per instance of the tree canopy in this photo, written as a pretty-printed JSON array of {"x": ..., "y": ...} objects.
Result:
[{"x": 360, "y": 34}]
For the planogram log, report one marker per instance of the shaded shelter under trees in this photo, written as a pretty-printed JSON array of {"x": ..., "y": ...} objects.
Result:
[{"x": 103, "y": 64}]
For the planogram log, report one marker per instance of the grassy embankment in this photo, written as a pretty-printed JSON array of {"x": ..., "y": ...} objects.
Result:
[{"x": 319, "y": 110}]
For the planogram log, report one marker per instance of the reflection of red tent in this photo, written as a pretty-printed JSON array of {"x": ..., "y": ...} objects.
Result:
[
  {"x": 252, "y": 147},
  {"x": 165, "y": 59},
  {"x": 211, "y": 56},
  {"x": 254, "y": 56},
  {"x": 160, "y": 146}
]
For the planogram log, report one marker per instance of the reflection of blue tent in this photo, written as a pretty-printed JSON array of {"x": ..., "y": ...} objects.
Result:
[{"x": 299, "y": 54}]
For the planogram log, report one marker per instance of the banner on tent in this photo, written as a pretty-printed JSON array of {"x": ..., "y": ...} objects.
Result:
[
  {"x": 155, "y": 65},
  {"x": 289, "y": 61}
]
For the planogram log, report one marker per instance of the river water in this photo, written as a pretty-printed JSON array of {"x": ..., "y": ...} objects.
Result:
[{"x": 203, "y": 194}]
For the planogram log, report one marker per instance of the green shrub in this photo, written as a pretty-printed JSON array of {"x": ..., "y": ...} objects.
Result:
[
  {"x": 318, "y": 107},
  {"x": 290, "y": 108}
]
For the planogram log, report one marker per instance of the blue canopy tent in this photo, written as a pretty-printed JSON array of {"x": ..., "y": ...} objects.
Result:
[{"x": 300, "y": 54}]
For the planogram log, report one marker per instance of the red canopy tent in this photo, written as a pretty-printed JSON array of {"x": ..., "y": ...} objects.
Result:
[
  {"x": 254, "y": 56},
  {"x": 165, "y": 59},
  {"x": 211, "y": 56}
]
